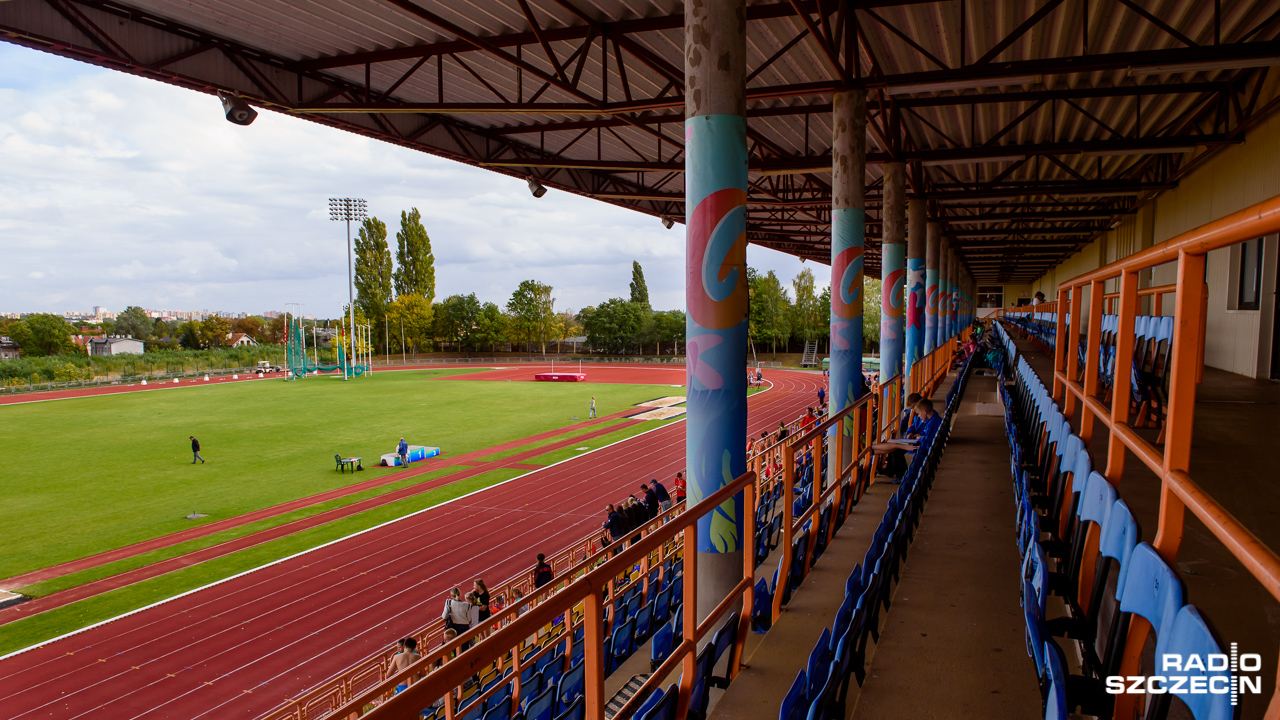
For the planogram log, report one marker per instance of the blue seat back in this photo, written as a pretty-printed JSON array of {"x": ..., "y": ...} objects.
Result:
[
  {"x": 1119, "y": 537},
  {"x": 665, "y": 707},
  {"x": 794, "y": 703},
  {"x": 660, "y": 647},
  {"x": 1190, "y": 635},
  {"x": 624, "y": 637},
  {"x": 1096, "y": 500},
  {"x": 541, "y": 707},
  {"x": 1151, "y": 589},
  {"x": 577, "y": 710},
  {"x": 1055, "y": 704},
  {"x": 572, "y": 684},
  {"x": 819, "y": 663}
]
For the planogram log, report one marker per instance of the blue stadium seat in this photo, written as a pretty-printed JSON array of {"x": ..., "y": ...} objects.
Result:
[
  {"x": 664, "y": 708},
  {"x": 795, "y": 704},
  {"x": 1190, "y": 635},
  {"x": 572, "y": 685},
  {"x": 660, "y": 648},
  {"x": 576, "y": 711},
  {"x": 819, "y": 663},
  {"x": 541, "y": 707}
]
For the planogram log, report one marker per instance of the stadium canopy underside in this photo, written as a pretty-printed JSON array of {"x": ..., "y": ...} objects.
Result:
[{"x": 1029, "y": 126}]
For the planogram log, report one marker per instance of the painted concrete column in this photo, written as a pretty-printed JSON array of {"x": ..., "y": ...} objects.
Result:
[
  {"x": 716, "y": 282},
  {"x": 953, "y": 290},
  {"x": 848, "y": 237},
  {"x": 915, "y": 299},
  {"x": 893, "y": 269},
  {"x": 944, "y": 254},
  {"x": 932, "y": 260}
]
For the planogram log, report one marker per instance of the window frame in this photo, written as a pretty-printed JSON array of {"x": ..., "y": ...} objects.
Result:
[{"x": 1243, "y": 303}]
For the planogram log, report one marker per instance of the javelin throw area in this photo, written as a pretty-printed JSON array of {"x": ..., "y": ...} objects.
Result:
[{"x": 242, "y": 647}]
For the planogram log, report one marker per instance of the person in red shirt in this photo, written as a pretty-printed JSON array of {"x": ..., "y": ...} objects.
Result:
[
  {"x": 809, "y": 420},
  {"x": 678, "y": 492}
]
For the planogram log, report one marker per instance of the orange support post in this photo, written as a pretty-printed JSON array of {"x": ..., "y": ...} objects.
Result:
[
  {"x": 1121, "y": 391},
  {"x": 1092, "y": 359}
]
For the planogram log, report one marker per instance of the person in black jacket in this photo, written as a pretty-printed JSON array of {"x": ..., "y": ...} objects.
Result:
[
  {"x": 195, "y": 450},
  {"x": 637, "y": 517},
  {"x": 651, "y": 503},
  {"x": 542, "y": 572}
]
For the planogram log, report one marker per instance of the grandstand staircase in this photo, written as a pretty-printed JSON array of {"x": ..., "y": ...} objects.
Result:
[
  {"x": 810, "y": 357},
  {"x": 624, "y": 694}
]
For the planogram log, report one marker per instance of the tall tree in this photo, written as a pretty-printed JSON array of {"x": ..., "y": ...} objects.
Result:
[
  {"x": 134, "y": 322},
  {"x": 532, "y": 312},
  {"x": 614, "y": 324},
  {"x": 769, "y": 307},
  {"x": 806, "y": 316},
  {"x": 639, "y": 291},
  {"x": 416, "y": 271},
  {"x": 214, "y": 331},
  {"x": 669, "y": 327},
  {"x": 42, "y": 334},
  {"x": 373, "y": 274},
  {"x": 491, "y": 327},
  {"x": 413, "y": 313},
  {"x": 871, "y": 312},
  {"x": 456, "y": 319}
]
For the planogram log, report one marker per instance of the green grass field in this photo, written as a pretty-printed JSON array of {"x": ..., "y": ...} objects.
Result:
[{"x": 91, "y": 474}]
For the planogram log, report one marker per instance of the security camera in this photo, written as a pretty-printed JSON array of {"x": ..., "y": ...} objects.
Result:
[
  {"x": 237, "y": 110},
  {"x": 536, "y": 188},
  {"x": 668, "y": 222}
]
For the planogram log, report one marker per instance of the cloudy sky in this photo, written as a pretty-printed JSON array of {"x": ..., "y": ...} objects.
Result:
[{"x": 120, "y": 191}]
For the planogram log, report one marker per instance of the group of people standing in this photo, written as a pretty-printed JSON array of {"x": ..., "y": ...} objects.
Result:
[{"x": 628, "y": 516}]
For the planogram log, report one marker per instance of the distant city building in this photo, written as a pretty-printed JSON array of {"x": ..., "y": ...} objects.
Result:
[
  {"x": 9, "y": 350},
  {"x": 116, "y": 345}
]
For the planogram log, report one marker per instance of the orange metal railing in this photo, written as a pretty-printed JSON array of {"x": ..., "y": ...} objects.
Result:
[
  {"x": 584, "y": 597},
  {"x": 1172, "y": 461},
  {"x": 366, "y": 680},
  {"x": 857, "y": 430}
]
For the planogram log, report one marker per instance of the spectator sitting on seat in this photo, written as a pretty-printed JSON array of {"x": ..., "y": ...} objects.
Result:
[
  {"x": 810, "y": 419},
  {"x": 926, "y": 425},
  {"x": 406, "y": 655},
  {"x": 908, "y": 408},
  {"x": 1039, "y": 298}
]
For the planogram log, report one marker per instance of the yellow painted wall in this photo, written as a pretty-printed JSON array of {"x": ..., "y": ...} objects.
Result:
[{"x": 1238, "y": 341}]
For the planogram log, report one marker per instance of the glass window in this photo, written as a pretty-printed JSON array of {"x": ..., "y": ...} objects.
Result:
[
  {"x": 1250, "y": 275},
  {"x": 990, "y": 296}
]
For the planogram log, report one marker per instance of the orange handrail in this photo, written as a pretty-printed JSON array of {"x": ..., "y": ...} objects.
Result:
[
  {"x": 586, "y": 591},
  {"x": 1178, "y": 492},
  {"x": 367, "y": 679}
]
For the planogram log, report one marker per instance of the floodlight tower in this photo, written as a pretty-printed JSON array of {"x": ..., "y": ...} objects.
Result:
[{"x": 349, "y": 209}]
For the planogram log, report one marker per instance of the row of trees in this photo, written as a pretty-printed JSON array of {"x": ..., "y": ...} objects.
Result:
[
  {"x": 781, "y": 318},
  {"x": 45, "y": 334}
]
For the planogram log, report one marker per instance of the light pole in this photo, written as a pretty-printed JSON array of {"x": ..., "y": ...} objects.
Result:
[{"x": 349, "y": 209}]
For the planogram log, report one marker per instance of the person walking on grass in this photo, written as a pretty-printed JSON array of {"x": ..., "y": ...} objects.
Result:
[
  {"x": 403, "y": 451},
  {"x": 593, "y": 407},
  {"x": 195, "y": 451}
]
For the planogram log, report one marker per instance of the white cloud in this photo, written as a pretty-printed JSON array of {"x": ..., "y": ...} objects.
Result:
[{"x": 119, "y": 191}]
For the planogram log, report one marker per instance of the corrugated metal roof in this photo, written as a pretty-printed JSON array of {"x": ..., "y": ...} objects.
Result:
[{"x": 1084, "y": 110}]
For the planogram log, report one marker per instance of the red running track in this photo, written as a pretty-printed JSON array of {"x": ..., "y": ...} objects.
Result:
[{"x": 242, "y": 647}]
